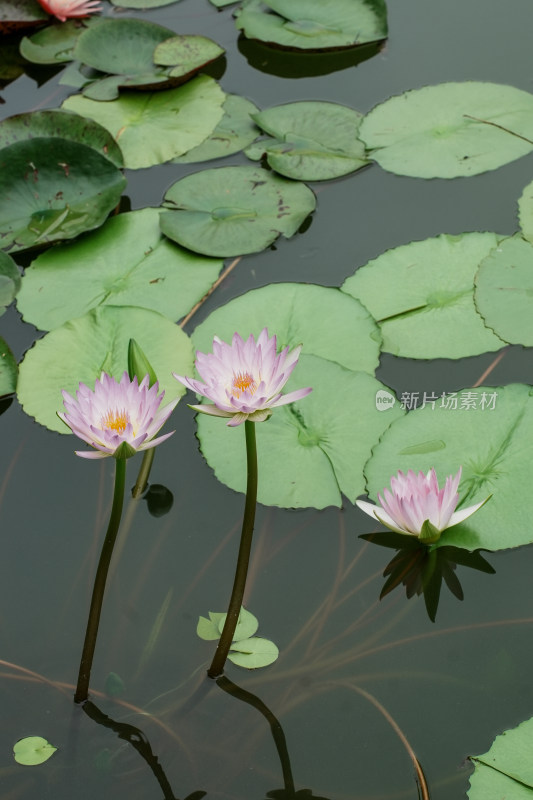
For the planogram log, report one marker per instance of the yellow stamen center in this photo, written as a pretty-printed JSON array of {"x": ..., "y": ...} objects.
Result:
[
  {"x": 243, "y": 382},
  {"x": 115, "y": 421}
]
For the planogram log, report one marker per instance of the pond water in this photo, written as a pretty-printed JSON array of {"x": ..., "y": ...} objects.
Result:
[{"x": 359, "y": 681}]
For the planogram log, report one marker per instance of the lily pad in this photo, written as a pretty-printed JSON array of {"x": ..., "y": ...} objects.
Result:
[
  {"x": 489, "y": 432},
  {"x": 53, "y": 189},
  {"x": 422, "y": 295},
  {"x": 310, "y": 451},
  {"x": 233, "y": 133},
  {"x": 16, "y": 15},
  {"x": 234, "y": 210},
  {"x": 186, "y": 54},
  {"x": 525, "y": 212},
  {"x": 33, "y": 750},
  {"x": 211, "y": 628},
  {"x": 81, "y": 349},
  {"x": 308, "y": 25},
  {"x": 61, "y": 125},
  {"x": 450, "y": 130},
  {"x": 9, "y": 281},
  {"x": 127, "y": 262},
  {"x": 504, "y": 290},
  {"x": 314, "y": 141},
  {"x": 253, "y": 653},
  {"x": 8, "y": 369},
  {"x": 505, "y": 770},
  {"x": 152, "y": 128},
  {"x": 293, "y": 312},
  {"x": 11, "y": 62},
  {"x": 55, "y": 43}
]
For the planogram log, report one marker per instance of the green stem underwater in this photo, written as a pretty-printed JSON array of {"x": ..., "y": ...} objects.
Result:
[
  {"x": 84, "y": 675},
  {"x": 239, "y": 584}
]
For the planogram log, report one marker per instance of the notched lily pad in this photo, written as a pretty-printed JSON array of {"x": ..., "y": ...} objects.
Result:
[
  {"x": 427, "y": 309},
  {"x": 234, "y": 210},
  {"x": 127, "y": 262},
  {"x": 33, "y": 750},
  {"x": 505, "y": 771},
  {"x": 309, "y": 25},
  {"x": 55, "y": 43},
  {"x": 450, "y": 130},
  {"x": 154, "y": 127},
  {"x": 52, "y": 189},
  {"x": 312, "y": 141},
  {"x": 61, "y": 125}
]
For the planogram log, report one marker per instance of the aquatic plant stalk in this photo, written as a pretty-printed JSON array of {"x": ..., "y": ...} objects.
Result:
[
  {"x": 84, "y": 674},
  {"x": 239, "y": 584}
]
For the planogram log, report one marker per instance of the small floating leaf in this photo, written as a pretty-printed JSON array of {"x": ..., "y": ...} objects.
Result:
[
  {"x": 33, "y": 750},
  {"x": 505, "y": 771},
  {"x": 253, "y": 653}
]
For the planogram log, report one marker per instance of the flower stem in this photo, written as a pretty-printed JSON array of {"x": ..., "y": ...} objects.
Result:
[
  {"x": 235, "y": 603},
  {"x": 144, "y": 473},
  {"x": 84, "y": 675}
]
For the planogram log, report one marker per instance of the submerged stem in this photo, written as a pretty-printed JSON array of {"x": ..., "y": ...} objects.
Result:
[
  {"x": 239, "y": 583},
  {"x": 84, "y": 675}
]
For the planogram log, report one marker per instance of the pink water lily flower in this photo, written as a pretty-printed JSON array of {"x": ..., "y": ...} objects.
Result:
[
  {"x": 67, "y": 9},
  {"x": 116, "y": 413},
  {"x": 244, "y": 379},
  {"x": 415, "y": 505}
]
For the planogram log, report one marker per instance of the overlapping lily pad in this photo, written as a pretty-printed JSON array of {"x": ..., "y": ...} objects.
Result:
[
  {"x": 8, "y": 369},
  {"x": 489, "y": 432},
  {"x": 16, "y": 15},
  {"x": 152, "y": 128},
  {"x": 312, "y": 451},
  {"x": 525, "y": 212},
  {"x": 329, "y": 324},
  {"x": 61, "y": 125},
  {"x": 234, "y": 210},
  {"x": 9, "y": 281},
  {"x": 52, "y": 189},
  {"x": 450, "y": 130},
  {"x": 233, "y": 133},
  {"x": 185, "y": 55},
  {"x": 312, "y": 141},
  {"x": 504, "y": 290},
  {"x": 308, "y": 25},
  {"x": 55, "y": 43},
  {"x": 82, "y": 348},
  {"x": 422, "y": 295},
  {"x": 505, "y": 771},
  {"x": 127, "y": 262}
]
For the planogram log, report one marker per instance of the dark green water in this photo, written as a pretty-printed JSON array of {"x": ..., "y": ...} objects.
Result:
[{"x": 450, "y": 686}]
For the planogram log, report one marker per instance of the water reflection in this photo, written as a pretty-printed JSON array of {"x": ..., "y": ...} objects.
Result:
[{"x": 421, "y": 569}]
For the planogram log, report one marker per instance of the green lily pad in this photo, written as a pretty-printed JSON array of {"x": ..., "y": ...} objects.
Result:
[
  {"x": 15, "y": 15},
  {"x": 504, "y": 290},
  {"x": 308, "y": 25},
  {"x": 505, "y": 771},
  {"x": 127, "y": 262},
  {"x": 210, "y": 629},
  {"x": 55, "y": 43},
  {"x": 310, "y": 451},
  {"x": 61, "y": 125},
  {"x": 9, "y": 281},
  {"x": 8, "y": 369},
  {"x": 33, "y": 750},
  {"x": 143, "y": 3},
  {"x": 450, "y": 130},
  {"x": 422, "y": 295},
  {"x": 291, "y": 311},
  {"x": 81, "y": 349},
  {"x": 525, "y": 212},
  {"x": 253, "y": 653},
  {"x": 223, "y": 3},
  {"x": 313, "y": 141},
  {"x": 53, "y": 189},
  {"x": 489, "y": 432},
  {"x": 186, "y": 54},
  {"x": 234, "y": 210},
  {"x": 152, "y": 128},
  {"x": 233, "y": 133}
]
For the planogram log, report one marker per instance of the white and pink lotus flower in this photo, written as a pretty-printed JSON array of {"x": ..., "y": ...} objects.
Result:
[
  {"x": 244, "y": 379},
  {"x": 416, "y": 506},
  {"x": 117, "y": 418},
  {"x": 70, "y": 9}
]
